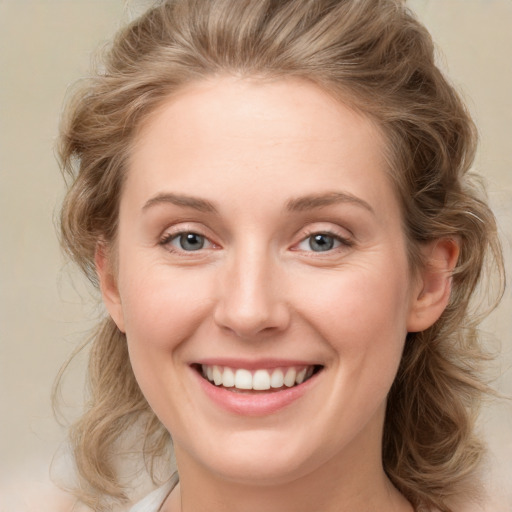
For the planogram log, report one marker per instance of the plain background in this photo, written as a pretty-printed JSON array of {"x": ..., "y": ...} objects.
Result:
[{"x": 46, "y": 309}]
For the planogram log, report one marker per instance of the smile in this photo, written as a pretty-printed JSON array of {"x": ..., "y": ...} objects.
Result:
[
  {"x": 256, "y": 388},
  {"x": 258, "y": 379}
]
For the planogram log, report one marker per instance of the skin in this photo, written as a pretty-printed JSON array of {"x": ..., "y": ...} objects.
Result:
[{"x": 258, "y": 289}]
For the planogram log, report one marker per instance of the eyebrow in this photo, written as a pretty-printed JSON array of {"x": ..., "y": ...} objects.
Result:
[
  {"x": 300, "y": 204},
  {"x": 314, "y": 201},
  {"x": 195, "y": 203}
]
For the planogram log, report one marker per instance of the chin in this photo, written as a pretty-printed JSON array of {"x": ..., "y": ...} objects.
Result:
[
  {"x": 264, "y": 473},
  {"x": 261, "y": 459}
]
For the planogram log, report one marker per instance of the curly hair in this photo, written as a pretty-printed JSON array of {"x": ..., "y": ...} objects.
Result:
[{"x": 372, "y": 55}]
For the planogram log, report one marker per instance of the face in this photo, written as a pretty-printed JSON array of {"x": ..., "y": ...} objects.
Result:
[{"x": 262, "y": 278}]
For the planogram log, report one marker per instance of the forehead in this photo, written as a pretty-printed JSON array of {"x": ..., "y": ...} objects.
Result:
[
  {"x": 286, "y": 132},
  {"x": 292, "y": 107}
]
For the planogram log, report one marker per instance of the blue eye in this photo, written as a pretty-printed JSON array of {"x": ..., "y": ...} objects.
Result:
[
  {"x": 320, "y": 242},
  {"x": 187, "y": 241}
]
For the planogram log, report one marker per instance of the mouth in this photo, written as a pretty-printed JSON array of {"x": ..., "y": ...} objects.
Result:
[{"x": 241, "y": 380}]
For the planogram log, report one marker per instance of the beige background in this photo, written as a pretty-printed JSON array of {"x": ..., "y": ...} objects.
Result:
[{"x": 45, "y": 45}]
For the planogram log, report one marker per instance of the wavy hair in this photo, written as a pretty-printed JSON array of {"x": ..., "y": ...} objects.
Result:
[{"x": 371, "y": 54}]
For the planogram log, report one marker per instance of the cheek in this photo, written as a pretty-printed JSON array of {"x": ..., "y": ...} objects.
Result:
[
  {"x": 163, "y": 306},
  {"x": 361, "y": 300},
  {"x": 362, "y": 315}
]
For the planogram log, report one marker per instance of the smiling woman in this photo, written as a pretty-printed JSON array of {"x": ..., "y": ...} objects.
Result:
[
  {"x": 251, "y": 281},
  {"x": 274, "y": 199}
]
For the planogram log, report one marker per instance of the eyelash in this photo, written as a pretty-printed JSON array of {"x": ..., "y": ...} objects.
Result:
[
  {"x": 343, "y": 242},
  {"x": 168, "y": 238}
]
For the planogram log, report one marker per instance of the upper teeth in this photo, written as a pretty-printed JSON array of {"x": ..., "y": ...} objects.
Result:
[{"x": 256, "y": 379}]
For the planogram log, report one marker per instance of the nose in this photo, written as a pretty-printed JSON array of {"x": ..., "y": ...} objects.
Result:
[{"x": 251, "y": 295}]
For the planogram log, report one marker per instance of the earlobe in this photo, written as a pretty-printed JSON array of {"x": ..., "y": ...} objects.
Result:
[
  {"x": 108, "y": 286},
  {"x": 432, "y": 293}
]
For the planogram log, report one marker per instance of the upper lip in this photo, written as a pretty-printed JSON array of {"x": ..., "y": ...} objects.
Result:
[{"x": 254, "y": 364}]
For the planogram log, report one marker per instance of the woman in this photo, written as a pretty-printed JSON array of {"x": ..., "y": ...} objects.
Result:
[{"x": 274, "y": 200}]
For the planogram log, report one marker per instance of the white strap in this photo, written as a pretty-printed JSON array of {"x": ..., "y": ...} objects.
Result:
[{"x": 154, "y": 500}]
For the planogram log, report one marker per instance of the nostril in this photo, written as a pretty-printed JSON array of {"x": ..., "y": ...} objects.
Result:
[
  {"x": 248, "y": 304},
  {"x": 251, "y": 324}
]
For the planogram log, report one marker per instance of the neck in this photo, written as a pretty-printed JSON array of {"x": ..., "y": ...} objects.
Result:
[{"x": 296, "y": 497}]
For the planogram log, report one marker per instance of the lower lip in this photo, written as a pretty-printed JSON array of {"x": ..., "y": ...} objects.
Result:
[{"x": 254, "y": 404}]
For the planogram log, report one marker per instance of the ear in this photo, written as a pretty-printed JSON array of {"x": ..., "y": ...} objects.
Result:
[
  {"x": 432, "y": 292},
  {"x": 108, "y": 285}
]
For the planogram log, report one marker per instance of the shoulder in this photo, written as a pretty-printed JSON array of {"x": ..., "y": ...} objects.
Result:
[{"x": 154, "y": 500}]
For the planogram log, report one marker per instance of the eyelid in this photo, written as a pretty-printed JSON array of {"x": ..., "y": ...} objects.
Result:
[
  {"x": 337, "y": 243},
  {"x": 175, "y": 231},
  {"x": 171, "y": 237},
  {"x": 344, "y": 240},
  {"x": 328, "y": 228}
]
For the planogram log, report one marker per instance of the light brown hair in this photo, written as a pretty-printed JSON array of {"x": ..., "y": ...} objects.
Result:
[{"x": 373, "y": 55}]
